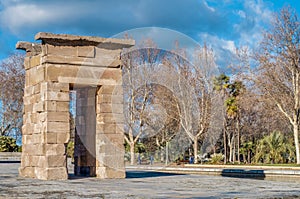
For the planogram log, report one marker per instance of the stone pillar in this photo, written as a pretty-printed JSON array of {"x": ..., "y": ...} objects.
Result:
[
  {"x": 45, "y": 124},
  {"x": 85, "y": 134},
  {"x": 110, "y": 133}
]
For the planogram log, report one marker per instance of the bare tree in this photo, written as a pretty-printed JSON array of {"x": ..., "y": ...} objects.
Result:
[
  {"x": 139, "y": 64},
  {"x": 194, "y": 91},
  {"x": 278, "y": 76},
  {"x": 12, "y": 78}
]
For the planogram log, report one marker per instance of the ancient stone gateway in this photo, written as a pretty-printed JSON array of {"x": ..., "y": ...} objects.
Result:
[{"x": 91, "y": 67}]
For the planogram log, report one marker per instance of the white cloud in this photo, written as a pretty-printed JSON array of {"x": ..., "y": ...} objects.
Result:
[
  {"x": 241, "y": 13},
  {"x": 224, "y": 49}
]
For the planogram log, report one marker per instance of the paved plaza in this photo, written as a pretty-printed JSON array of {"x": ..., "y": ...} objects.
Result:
[{"x": 144, "y": 184}]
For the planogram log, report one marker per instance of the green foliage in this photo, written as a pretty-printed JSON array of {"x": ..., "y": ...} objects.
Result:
[
  {"x": 274, "y": 149},
  {"x": 8, "y": 144},
  {"x": 70, "y": 149},
  {"x": 217, "y": 158},
  {"x": 246, "y": 147},
  {"x": 221, "y": 82},
  {"x": 139, "y": 148}
]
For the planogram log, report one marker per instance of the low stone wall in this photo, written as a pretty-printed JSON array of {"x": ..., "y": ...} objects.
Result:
[{"x": 10, "y": 156}]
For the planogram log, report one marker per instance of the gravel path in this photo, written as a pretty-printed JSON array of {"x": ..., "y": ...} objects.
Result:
[{"x": 143, "y": 184}]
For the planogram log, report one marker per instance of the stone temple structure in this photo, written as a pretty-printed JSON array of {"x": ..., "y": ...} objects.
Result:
[{"x": 91, "y": 68}]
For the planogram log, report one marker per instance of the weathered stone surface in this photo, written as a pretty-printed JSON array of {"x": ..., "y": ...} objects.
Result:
[
  {"x": 55, "y": 149},
  {"x": 50, "y": 138},
  {"x": 55, "y": 96},
  {"x": 110, "y": 118},
  {"x": 86, "y": 51},
  {"x": 27, "y": 172},
  {"x": 33, "y": 149},
  {"x": 56, "y": 127},
  {"x": 111, "y": 139},
  {"x": 55, "y": 161},
  {"x": 54, "y": 86},
  {"x": 74, "y": 40},
  {"x": 34, "y": 76},
  {"x": 72, "y": 74},
  {"x": 30, "y": 48},
  {"x": 56, "y": 106},
  {"x": 110, "y": 108},
  {"x": 106, "y": 172},
  {"x": 63, "y": 138},
  {"x": 108, "y": 98},
  {"x": 110, "y": 128},
  {"x": 57, "y": 173}
]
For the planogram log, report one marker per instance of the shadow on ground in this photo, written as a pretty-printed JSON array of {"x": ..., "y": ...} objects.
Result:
[
  {"x": 149, "y": 174},
  {"x": 10, "y": 161},
  {"x": 242, "y": 173}
]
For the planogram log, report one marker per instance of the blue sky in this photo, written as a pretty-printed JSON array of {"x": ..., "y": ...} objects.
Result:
[{"x": 223, "y": 25}]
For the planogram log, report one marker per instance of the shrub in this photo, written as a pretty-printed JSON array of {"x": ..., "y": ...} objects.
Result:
[
  {"x": 8, "y": 144},
  {"x": 217, "y": 158}
]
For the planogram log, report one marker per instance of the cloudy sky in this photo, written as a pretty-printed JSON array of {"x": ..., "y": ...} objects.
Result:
[{"x": 223, "y": 25}]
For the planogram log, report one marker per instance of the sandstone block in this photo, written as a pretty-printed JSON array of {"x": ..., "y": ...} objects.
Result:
[
  {"x": 34, "y": 76},
  {"x": 56, "y": 96},
  {"x": 86, "y": 51},
  {"x": 40, "y": 173},
  {"x": 110, "y": 108},
  {"x": 106, "y": 89},
  {"x": 55, "y": 149},
  {"x": 55, "y": 117},
  {"x": 110, "y": 118},
  {"x": 54, "y": 86},
  {"x": 35, "y": 61},
  {"x": 50, "y": 138},
  {"x": 110, "y": 173},
  {"x": 28, "y": 108},
  {"x": 38, "y": 128},
  {"x": 38, "y": 107},
  {"x": 56, "y": 161},
  {"x": 69, "y": 51},
  {"x": 56, "y": 127},
  {"x": 28, "y": 91},
  {"x": 57, "y": 173},
  {"x": 27, "y": 129},
  {"x": 32, "y": 139},
  {"x": 111, "y": 140},
  {"x": 27, "y": 63},
  {"x": 27, "y": 172},
  {"x": 63, "y": 138},
  {"x": 56, "y": 106},
  {"x": 33, "y": 149},
  {"x": 26, "y": 160},
  {"x": 110, "y": 99}
]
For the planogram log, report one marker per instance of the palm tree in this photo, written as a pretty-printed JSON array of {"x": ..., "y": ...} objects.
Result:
[{"x": 274, "y": 149}]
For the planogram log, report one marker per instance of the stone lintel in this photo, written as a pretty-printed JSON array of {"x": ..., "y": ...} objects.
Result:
[{"x": 74, "y": 40}]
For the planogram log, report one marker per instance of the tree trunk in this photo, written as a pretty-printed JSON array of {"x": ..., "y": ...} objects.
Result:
[
  {"x": 167, "y": 153},
  {"x": 238, "y": 139},
  {"x": 244, "y": 158},
  {"x": 230, "y": 144},
  {"x": 162, "y": 154},
  {"x": 296, "y": 139},
  {"x": 249, "y": 156},
  {"x": 196, "y": 150},
  {"x": 225, "y": 146},
  {"x": 132, "y": 155},
  {"x": 234, "y": 149}
]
